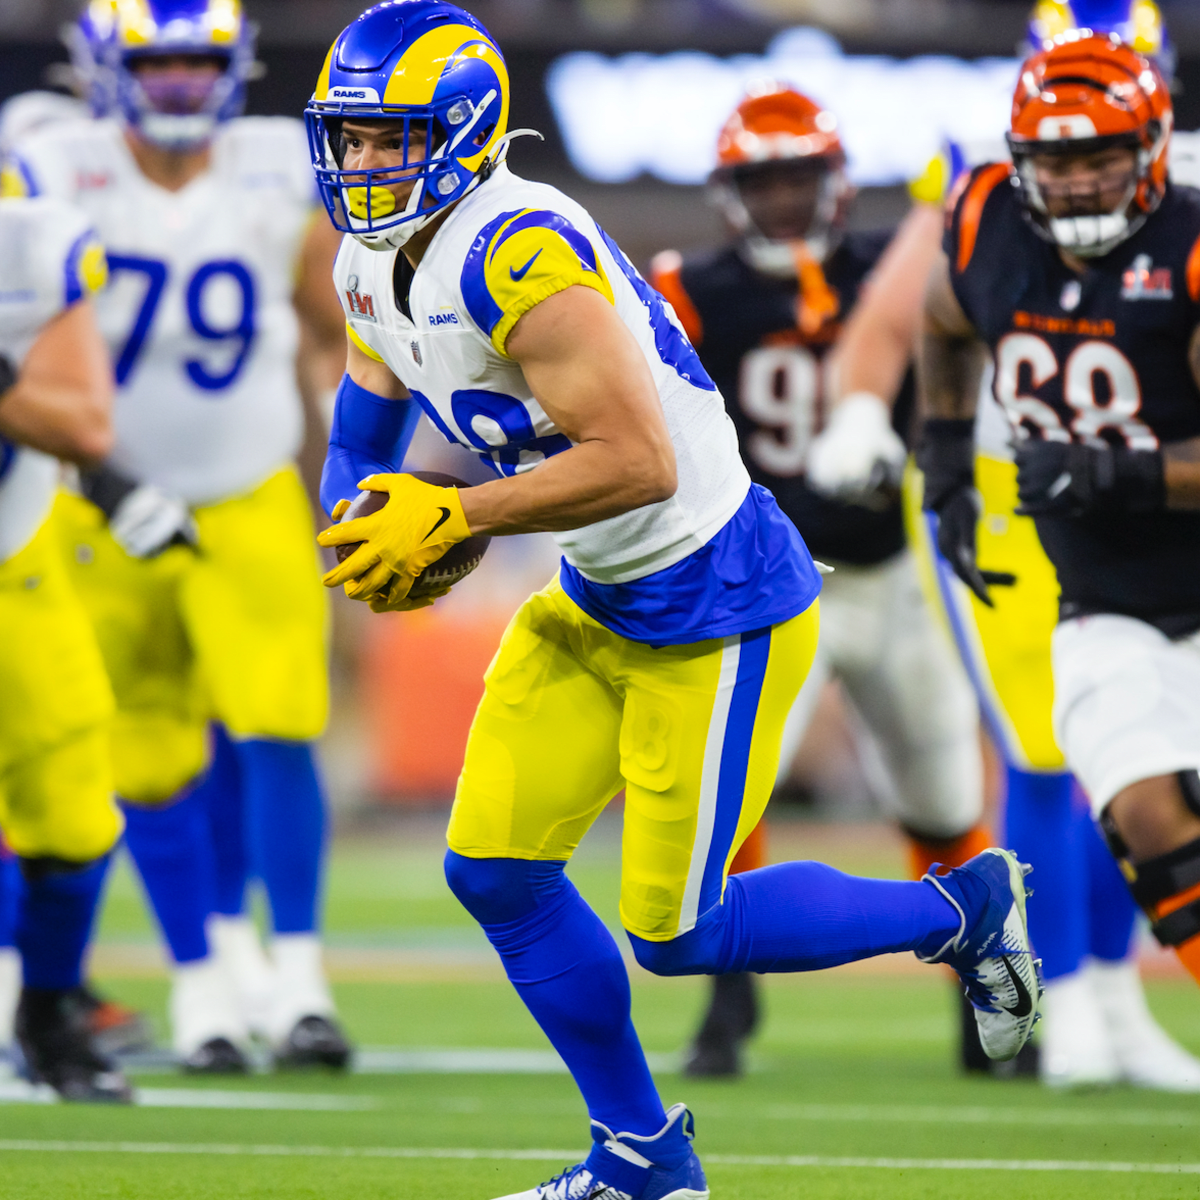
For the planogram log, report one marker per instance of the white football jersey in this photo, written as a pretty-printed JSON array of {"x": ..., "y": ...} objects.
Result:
[
  {"x": 43, "y": 244},
  {"x": 198, "y": 311},
  {"x": 504, "y": 248}
]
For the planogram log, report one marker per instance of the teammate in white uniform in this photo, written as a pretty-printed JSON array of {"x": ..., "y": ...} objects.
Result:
[
  {"x": 665, "y": 655},
  {"x": 57, "y": 811},
  {"x": 193, "y": 546}
]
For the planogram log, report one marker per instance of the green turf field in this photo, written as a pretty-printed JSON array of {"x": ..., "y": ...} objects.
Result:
[{"x": 852, "y": 1092}]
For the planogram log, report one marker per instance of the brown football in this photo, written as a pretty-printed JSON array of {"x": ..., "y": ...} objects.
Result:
[{"x": 456, "y": 564}]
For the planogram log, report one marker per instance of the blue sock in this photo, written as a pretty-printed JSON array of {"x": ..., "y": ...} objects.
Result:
[
  {"x": 10, "y": 897},
  {"x": 1111, "y": 909},
  {"x": 285, "y": 824},
  {"x": 568, "y": 971},
  {"x": 172, "y": 848},
  {"x": 54, "y": 922},
  {"x": 1042, "y": 824},
  {"x": 221, "y": 794},
  {"x": 806, "y": 916}
]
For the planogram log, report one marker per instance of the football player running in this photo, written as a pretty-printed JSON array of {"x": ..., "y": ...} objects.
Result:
[
  {"x": 192, "y": 544},
  {"x": 766, "y": 313},
  {"x": 665, "y": 655},
  {"x": 57, "y": 810},
  {"x": 1097, "y": 1027},
  {"x": 1082, "y": 280}
]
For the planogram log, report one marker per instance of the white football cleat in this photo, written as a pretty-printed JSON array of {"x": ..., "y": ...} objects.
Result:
[
  {"x": 1145, "y": 1055},
  {"x": 620, "y": 1167},
  {"x": 208, "y": 1032},
  {"x": 991, "y": 950},
  {"x": 1076, "y": 1050}
]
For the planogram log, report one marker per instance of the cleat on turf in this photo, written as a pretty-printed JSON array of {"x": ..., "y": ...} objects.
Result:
[
  {"x": 217, "y": 1056},
  {"x": 314, "y": 1042},
  {"x": 991, "y": 950},
  {"x": 115, "y": 1029},
  {"x": 620, "y": 1167},
  {"x": 58, "y": 1050}
]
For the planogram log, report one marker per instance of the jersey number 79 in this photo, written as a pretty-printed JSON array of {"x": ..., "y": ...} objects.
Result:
[{"x": 236, "y": 340}]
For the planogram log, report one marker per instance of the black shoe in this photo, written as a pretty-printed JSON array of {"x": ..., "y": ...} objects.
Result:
[
  {"x": 973, "y": 1060},
  {"x": 218, "y": 1056},
  {"x": 115, "y": 1029},
  {"x": 733, "y": 1015},
  {"x": 59, "y": 1050},
  {"x": 314, "y": 1042}
]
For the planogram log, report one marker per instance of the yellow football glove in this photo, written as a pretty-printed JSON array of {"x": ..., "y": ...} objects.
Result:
[{"x": 417, "y": 525}]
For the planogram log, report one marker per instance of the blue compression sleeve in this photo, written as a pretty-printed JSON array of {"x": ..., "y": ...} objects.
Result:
[
  {"x": 370, "y": 436},
  {"x": 54, "y": 924},
  {"x": 221, "y": 794},
  {"x": 1046, "y": 825}
]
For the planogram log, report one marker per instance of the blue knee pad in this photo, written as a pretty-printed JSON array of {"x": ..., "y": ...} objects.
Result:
[{"x": 498, "y": 890}]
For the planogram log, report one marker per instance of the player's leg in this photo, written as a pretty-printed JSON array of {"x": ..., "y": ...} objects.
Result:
[
  {"x": 735, "y": 1004},
  {"x": 10, "y": 959},
  {"x": 1127, "y": 711},
  {"x": 256, "y": 613},
  {"x": 56, "y": 809},
  {"x": 159, "y": 749},
  {"x": 232, "y": 934},
  {"x": 1146, "y": 1056}
]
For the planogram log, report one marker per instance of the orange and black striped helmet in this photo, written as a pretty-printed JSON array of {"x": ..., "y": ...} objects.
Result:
[{"x": 1082, "y": 94}]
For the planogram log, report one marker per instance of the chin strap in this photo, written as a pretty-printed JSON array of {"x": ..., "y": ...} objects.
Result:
[{"x": 500, "y": 150}]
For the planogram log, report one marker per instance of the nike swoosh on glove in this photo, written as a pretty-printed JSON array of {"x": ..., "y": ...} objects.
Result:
[
  {"x": 416, "y": 526},
  {"x": 858, "y": 458},
  {"x": 148, "y": 521}
]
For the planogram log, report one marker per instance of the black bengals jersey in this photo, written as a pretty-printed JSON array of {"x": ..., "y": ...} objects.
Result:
[
  {"x": 1103, "y": 354},
  {"x": 744, "y": 327}
]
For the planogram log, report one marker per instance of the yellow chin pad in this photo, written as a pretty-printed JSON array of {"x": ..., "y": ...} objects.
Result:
[{"x": 383, "y": 203}]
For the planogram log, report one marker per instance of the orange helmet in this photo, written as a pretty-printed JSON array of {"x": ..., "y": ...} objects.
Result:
[
  {"x": 773, "y": 126},
  {"x": 1084, "y": 93}
]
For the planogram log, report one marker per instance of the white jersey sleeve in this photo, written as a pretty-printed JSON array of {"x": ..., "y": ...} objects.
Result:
[
  {"x": 199, "y": 315},
  {"x": 504, "y": 249},
  {"x": 49, "y": 260}
]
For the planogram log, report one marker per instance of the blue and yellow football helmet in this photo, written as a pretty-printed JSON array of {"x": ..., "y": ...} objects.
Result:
[
  {"x": 436, "y": 69},
  {"x": 176, "y": 113},
  {"x": 1138, "y": 23}
]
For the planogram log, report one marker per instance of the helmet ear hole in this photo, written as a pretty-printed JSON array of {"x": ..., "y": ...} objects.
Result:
[{"x": 481, "y": 138}]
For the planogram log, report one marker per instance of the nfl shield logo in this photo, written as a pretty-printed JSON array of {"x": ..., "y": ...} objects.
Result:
[{"x": 416, "y": 349}]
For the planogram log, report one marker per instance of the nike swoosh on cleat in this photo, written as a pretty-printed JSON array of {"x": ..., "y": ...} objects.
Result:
[
  {"x": 1024, "y": 1005},
  {"x": 517, "y": 276},
  {"x": 440, "y": 522}
]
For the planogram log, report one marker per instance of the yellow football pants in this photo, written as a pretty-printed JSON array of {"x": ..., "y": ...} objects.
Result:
[
  {"x": 233, "y": 632},
  {"x": 56, "y": 790},
  {"x": 572, "y": 712},
  {"x": 1006, "y": 649}
]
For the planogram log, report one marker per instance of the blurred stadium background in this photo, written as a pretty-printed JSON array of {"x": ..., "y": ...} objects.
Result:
[{"x": 628, "y": 95}]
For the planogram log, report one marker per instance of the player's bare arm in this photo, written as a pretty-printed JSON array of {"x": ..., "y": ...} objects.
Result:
[
  {"x": 61, "y": 402},
  {"x": 879, "y": 339},
  {"x": 951, "y": 363},
  {"x": 952, "y": 357},
  {"x": 591, "y": 377}
]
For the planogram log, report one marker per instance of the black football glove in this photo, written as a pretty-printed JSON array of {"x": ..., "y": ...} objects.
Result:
[
  {"x": 946, "y": 456},
  {"x": 1068, "y": 479}
]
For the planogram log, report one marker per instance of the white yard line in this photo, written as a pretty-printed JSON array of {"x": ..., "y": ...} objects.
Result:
[
  {"x": 977, "y": 1115},
  {"x": 566, "y": 1156},
  {"x": 17, "y": 1091}
]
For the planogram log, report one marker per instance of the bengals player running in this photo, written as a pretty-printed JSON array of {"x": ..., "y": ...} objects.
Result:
[
  {"x": 767, "y": 313},
  {"x": 1079, "y": 268}
]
